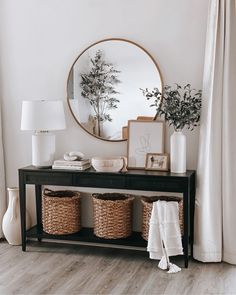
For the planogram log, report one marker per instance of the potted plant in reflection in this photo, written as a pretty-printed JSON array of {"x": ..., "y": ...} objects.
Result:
[
  {"x": 98, "y": 87},
  {"x": 181, "y": 107}
]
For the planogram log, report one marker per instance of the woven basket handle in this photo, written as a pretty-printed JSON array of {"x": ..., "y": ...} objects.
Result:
[
  {"x": 47, "y": 191},
  {"x": 64, "y": 193}
]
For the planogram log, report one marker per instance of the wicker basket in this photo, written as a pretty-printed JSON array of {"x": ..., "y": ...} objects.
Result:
[
  {"x": 147, "y": 210},
  {"x": 112, "y": 215},
  {"x": 61, "y": 212}
]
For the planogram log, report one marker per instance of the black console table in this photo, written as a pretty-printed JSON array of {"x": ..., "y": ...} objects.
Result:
[{"x": 131, "y": 180}]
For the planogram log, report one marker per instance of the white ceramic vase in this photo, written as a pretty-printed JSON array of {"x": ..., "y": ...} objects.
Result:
[
  {"x": 178, "y": 152},
  {"x": 11, "y": 223}
]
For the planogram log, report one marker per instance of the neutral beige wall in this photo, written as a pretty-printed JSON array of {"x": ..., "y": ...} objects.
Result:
[{"x": 40, "y": 40}]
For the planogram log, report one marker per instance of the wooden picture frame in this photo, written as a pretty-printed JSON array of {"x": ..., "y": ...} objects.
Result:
[
  {"x": 144, "y": 137},
  {"x": 157, "y": 161}
]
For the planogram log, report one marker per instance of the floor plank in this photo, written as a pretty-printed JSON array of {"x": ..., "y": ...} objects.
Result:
[{"x": 49, "y": 268}]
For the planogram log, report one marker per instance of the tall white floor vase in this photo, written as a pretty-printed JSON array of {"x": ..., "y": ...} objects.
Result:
[
  {"x": 178, "y": 152},
  {"x": 11, "y": 224}
]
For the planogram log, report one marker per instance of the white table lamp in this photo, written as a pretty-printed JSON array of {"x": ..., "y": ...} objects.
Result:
[{"x": 43, "y": 116}]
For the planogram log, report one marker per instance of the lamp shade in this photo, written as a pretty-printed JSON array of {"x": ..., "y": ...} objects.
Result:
[{"x": 43, "y": 115}]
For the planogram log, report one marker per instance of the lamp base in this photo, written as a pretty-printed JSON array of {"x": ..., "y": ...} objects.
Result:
[{"x": 43, "y": 149}]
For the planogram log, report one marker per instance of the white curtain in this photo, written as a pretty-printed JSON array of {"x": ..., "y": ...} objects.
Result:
[
  {"x": 2, "y": 179},
  {"x": 215, "y": 209}
]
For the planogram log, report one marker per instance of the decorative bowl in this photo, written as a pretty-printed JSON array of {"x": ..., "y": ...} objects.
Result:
[{"x": 111, "y": 164}]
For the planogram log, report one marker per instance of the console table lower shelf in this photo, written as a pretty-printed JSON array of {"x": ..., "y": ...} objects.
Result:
[{"x": 86, "y": 235}]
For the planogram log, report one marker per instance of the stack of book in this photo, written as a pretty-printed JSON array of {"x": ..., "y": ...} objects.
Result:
[{"x": 71, "y": 165}]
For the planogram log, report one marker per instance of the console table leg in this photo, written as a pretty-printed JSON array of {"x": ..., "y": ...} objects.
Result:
[
  {"x": 22, "y": 189},
  {"x": 38, "y": 194},
  {"x": 186, "y": 226},
  {"x": 192, "y": 209}
]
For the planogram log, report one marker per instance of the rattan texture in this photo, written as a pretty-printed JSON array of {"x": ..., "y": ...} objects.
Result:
[
  {"x": 112, "y": 215},
  {"x": 61, "y": 212},
  {"x": 147, "y": 210}
]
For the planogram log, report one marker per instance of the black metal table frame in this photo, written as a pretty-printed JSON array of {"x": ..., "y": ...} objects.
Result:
[{"x": 131, "y": 180}]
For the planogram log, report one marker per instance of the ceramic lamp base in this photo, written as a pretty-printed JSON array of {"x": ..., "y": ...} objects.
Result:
[{"x": 43, "y": 149}]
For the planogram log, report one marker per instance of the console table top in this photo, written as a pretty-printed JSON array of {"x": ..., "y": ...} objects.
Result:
[{"x": 141, "y": 172}]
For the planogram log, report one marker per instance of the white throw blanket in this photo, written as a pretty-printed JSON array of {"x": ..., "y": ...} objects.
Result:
[{"x": 164, "y": 234}]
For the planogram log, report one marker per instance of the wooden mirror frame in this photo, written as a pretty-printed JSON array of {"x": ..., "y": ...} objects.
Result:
[{"x": 93, "y": 44}]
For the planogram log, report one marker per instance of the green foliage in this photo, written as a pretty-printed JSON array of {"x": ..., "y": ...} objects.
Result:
[
  {"x": 180, "y": 106},
  {"x": 98, "y": 86}
]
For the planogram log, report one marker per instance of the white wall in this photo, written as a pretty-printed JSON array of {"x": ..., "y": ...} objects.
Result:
[{"x": 40, "y": 39}]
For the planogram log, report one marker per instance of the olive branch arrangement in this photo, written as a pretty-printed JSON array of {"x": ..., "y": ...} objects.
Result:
[{"x": 179, "y": 105}]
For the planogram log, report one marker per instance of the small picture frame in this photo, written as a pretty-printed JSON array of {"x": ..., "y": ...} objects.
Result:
[
  {"x": 157, "y": 161},
  {"x": 144, "y": 137}
]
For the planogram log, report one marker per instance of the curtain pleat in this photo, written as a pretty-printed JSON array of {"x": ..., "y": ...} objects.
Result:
[{"x": 215, "y": 235}]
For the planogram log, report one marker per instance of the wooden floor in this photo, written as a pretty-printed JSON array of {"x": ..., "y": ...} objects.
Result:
[{"x": 64, "y": 269}]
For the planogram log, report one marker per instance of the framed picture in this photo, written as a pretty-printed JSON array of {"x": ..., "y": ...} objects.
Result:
[
  {"x": 157, "y": 161},
  {"x": 144, "y": 137}
]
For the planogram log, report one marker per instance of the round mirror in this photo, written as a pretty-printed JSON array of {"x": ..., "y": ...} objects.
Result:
[{"x": 104, "y": 87}]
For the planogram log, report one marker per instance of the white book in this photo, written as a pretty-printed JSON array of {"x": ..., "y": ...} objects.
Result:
[
  {"x": 67, "y": 167},
  {"x": 71, "y": 163}
]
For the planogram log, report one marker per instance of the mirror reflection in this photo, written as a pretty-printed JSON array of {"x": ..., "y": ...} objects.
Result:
[{"x": 104, "y": 84}]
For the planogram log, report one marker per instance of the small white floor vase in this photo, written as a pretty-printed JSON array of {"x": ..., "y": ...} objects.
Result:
[
  {"x": 178, "y": 152},
  {"x": 11, "y": 224}
]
